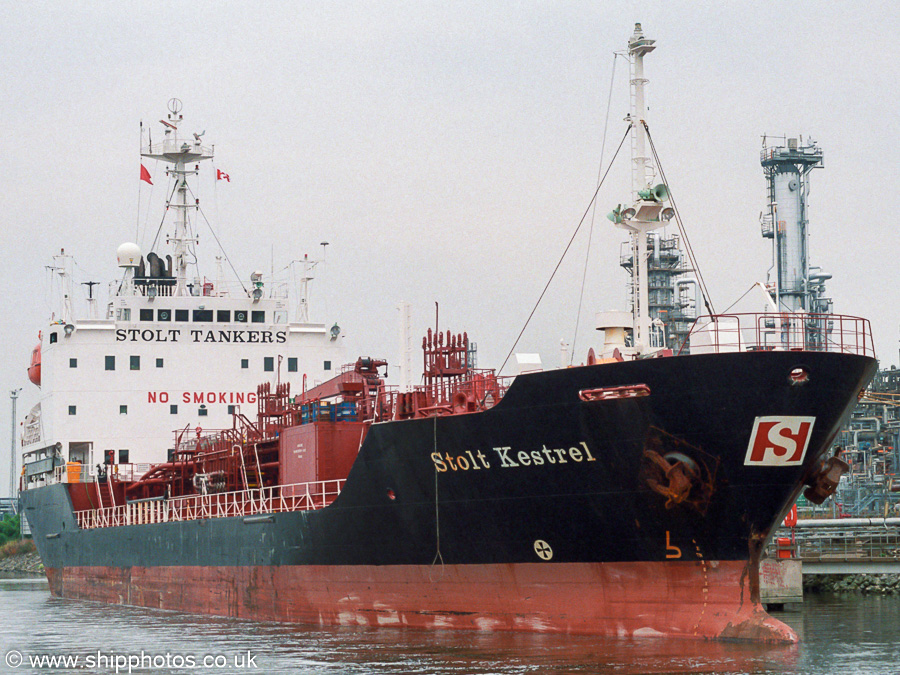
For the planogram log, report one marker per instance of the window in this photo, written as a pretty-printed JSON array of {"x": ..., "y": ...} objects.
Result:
[
  {"x": 223, "y": 315},
  {"x": 123, "y": 456},
  {"x": 123, "y": 409},
  {"x": 327, "y": 365},
  {"x": 52, "y": 338},
  {"x": 292, "y": 364},
  {"x": 123, "y": 314},
  {"x": 173, "y": 409},
  {"x": 171, "y": 453},
  {"x": 110, "y": 362},
  {"x": 240, "y": 316},
  {"x": 268, "y": 363},
  {"x": 245, "y": 363},
  {"x": 281, "y": 316},
  {"x": 159, "y": 363},
  {"x": 231, "y": 410},
  {"x": 203, "y": 412},
  {"x": 164, "y": 315},
  {"x": 135, "y": 362},
  {"x": 203, "y": 315},
  {"x": 258, "y": 316},
  {"x": 73, "y": 363},
  {"x": 182, "y": 315},
  {"x": 71, "y": 409},
  {"x": 146, "y": 315}
]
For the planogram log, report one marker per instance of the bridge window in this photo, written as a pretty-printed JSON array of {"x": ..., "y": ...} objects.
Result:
[
  {"x": 223, "y": 315},
  {"x": 146, "y": 315},
  {"x": 258, "y": 316},
  {"x": 327, "y": 365},
  {"x": 182, "y": 315},
  {"x": 203, "y": 411},
  {"x": 123, "y": 456},
  {"x": 203, "y": 315},
  {"x": 135, "y": 362},
  {"x": 240, "y": 316},
  {"x": 245, "y": 363},
  {"x": 71, "y": 409},
  {"x": 73, "y": 363},
  {"x": 110, "y": 363},
  {"x": 268, "y": 363},
  {"x": 159, "y": 363},
  {"x": 164, "y": 315},
  {"x": 292, "y": 364},
  {"x": 123, "y": 409},
  {"x": 173, "y": 409}
]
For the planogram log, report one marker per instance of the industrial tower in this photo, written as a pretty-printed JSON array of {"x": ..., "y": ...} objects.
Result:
[{"x": 797, "y": 287}]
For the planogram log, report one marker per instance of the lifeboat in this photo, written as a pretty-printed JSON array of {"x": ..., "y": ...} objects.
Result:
[{"x": 34, "y": 370}]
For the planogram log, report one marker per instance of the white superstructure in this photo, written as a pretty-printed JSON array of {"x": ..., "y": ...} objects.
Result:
[{"x": 172, "y": 350}]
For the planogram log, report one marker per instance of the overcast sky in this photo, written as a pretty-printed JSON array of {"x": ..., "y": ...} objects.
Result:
[{"x": 445, "y": 150}]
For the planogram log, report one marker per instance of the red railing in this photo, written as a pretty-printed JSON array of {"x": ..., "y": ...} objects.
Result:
[
  {"x": 261, "y": 501},
  {"x": 781, "y": 332}
]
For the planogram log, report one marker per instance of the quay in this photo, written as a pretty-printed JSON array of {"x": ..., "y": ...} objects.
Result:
[
  {"x": 819, "y": 547},
  {"x": 841, "y": 545}
]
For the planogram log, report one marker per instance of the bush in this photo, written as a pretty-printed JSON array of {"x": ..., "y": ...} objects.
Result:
[
  {"x": 16, "y": 548},
  {"x": 9, "y": 529}
]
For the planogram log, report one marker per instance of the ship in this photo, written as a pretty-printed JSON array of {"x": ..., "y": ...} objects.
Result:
[
  {"x": 632, "y": 495},
  {"x": 167, "y": 346}
]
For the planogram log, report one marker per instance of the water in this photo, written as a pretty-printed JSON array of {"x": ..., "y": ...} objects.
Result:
[{"x": 846, "y": 634}]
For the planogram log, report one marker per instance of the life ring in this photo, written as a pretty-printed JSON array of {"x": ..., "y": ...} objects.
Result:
[{"x": 790, "y": 520}]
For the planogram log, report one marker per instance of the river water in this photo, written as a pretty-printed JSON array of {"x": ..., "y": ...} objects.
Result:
[{"x": 840, "y": 634}]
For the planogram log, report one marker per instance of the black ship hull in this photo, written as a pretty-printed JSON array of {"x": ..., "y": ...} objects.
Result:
[{"x": 553, "y": 484}]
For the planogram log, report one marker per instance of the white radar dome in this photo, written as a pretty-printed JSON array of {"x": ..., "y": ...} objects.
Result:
[{"x": 129, "y": 255}]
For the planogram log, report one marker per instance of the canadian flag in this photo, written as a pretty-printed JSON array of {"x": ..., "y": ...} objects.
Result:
[
  {"x": 145, "y": 175},
  {"x": 221, "y": 175}
]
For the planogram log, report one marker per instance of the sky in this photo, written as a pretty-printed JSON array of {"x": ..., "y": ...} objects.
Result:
[{"x": 446, "y": 151}]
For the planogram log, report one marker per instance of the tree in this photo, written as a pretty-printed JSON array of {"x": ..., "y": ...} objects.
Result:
[{"x": 9, "y": 529}]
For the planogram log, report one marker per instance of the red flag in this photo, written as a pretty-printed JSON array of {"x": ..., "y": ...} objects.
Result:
[
  {"x": 221, "y": 175},
  {"x": 145, "y": 175}
]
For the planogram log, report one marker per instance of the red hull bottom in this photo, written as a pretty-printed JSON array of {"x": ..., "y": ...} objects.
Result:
[{"x": 710, "y": 600}]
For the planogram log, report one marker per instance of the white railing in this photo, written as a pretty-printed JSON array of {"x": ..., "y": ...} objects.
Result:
[
  {"x": 74, "y": 472},
  {"x": 266, "y": 500},
  {"x": 781, "y": 332}
]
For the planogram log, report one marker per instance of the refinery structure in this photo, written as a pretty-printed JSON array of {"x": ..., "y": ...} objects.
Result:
[{"x": 870, "y": 443}]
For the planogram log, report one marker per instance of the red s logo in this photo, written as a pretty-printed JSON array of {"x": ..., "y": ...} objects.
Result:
[{"x": 779, "y": 441}]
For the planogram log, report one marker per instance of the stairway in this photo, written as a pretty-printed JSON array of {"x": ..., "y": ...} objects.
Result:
[{"x": 105, "y": 491}]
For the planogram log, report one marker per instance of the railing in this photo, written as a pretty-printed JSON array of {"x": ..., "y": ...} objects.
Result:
[
  {"x": 266, "y": 500},
  {"x": 781, "y": 332},
  {"x": 839, "y": 542},
  {"x": 75, "y": 472}
]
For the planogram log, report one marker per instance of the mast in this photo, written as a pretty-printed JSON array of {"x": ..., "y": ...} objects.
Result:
[
  {"x": 647, "y": 212},
  {"x": 61, "y": 265},
  {"x": 179, "y": 152},
  {"x": 303, "y": 307}
]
